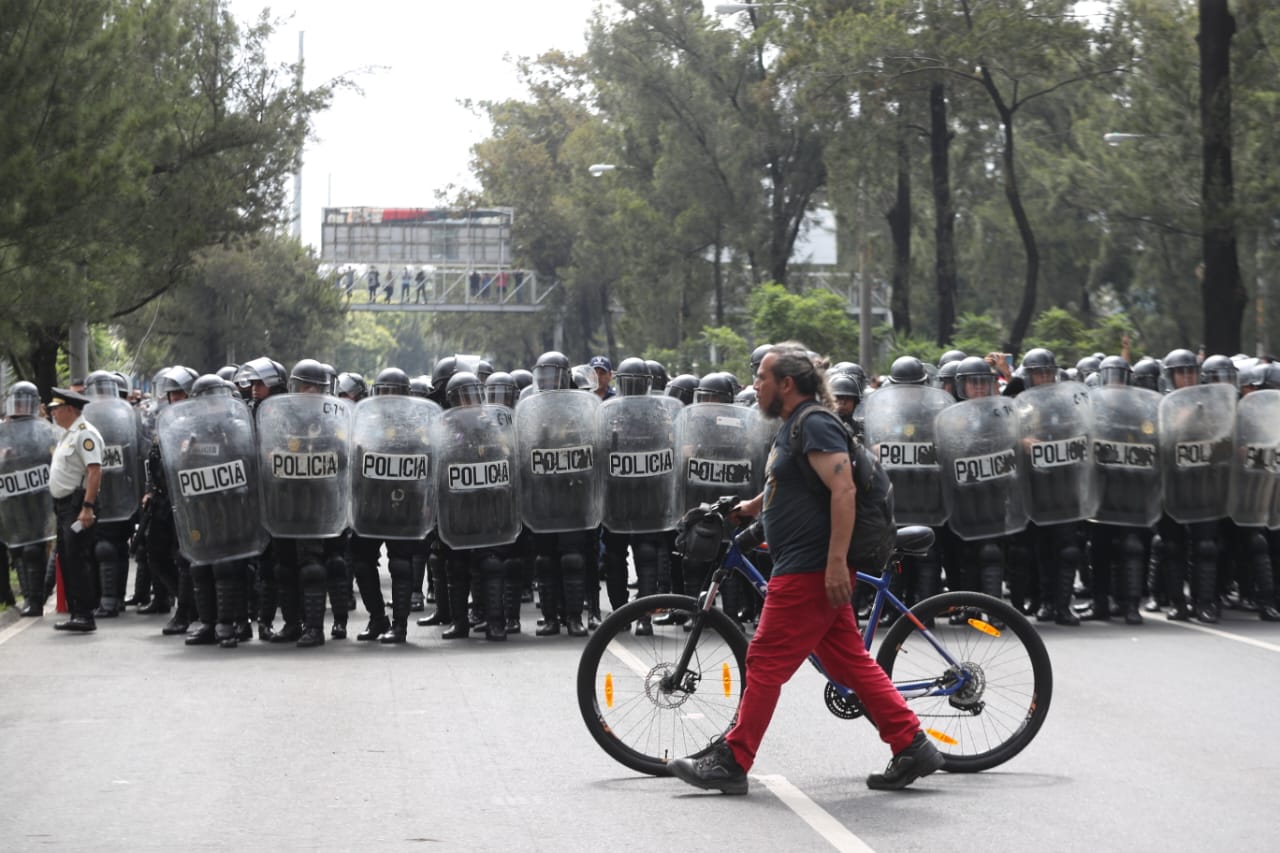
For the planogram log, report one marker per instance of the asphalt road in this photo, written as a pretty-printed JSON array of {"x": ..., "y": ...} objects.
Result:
[{"x": 1158, "y": 738}]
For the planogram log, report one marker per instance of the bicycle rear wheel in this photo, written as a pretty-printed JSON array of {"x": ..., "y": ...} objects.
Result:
[
  {"x": 1009, "y": 684},
  {"x": 630, "y": 713}
]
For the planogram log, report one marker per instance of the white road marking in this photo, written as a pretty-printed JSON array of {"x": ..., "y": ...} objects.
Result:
[
  {"x": 1226, "y": 635},
  {"x": 14, "y": 630},
  {"x": 832, "y": 831}
]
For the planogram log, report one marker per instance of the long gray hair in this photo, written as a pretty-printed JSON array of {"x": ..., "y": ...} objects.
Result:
[{"x": 794, "y": 359}]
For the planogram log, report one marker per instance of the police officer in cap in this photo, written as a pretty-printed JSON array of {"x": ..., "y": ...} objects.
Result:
[{"x": 74, "y": 477}]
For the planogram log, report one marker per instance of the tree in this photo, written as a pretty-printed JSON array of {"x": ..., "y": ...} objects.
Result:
[{"x": 816, "y": 318}]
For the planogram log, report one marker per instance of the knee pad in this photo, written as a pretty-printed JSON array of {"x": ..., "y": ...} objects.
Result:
[
  {"x": 311, "y": 574},
  {"x": 335, "y": 568},
  {"x": 1131, "y": 548},
  {"x": 400, "y": 568},
  {"x": 104, "y": 551},
  {"x": 1206, "y": 550},
  {"x": 572, "y": 562},
  {"x": 646, "y": 553},
  {"x": 990, "y": 555}
]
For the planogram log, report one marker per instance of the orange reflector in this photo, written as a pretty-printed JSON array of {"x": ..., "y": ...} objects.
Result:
[
  {"x": 945, "y": 738},
  {"x": 727, "y": 677},
  {"x": 608, "y": 690},
  {"x": 984, "y": 627}
]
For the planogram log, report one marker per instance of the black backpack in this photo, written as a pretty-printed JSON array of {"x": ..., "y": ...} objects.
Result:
[{"x": 873, "y": 529}]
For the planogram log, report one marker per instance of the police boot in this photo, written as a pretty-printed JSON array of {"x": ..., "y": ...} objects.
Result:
[
  {"x": 6, "y": 590},
  {"x": 184, "y": 613},
  {"x": 573, "y": 568},
  {"x": 1204, "y": 580},
  {"x": 928, "y": 575},
  {"x": 339, "y": 593},
  {"x": 440, "y": 583},
  {"x": 401, "y": 570},
  {"x": 511, "y": 593},
  {"x": 313, "y": 617},
  {"x": 35, "y": 590},
  {"x": 646, "y": 581},
  {"x": 228, "y": 586},
  {"x": 418, "y": 601},
  {"x": 104, "y": 552},
  {"x": 549, "y": 595},
  {"x": 267, "y": 600},
  {"x": 1048, "y": 592},
  {"x": 1264, "y": 584},
  {"x": 1128, "y": 583},
  {"x": 495, "y": 599},
  {"x": 459, "y": 592},
  {"x": 1066, "y": 578}
]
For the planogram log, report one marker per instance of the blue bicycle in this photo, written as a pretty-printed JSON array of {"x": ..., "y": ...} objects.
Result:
[{"x": 975, "y": 671}]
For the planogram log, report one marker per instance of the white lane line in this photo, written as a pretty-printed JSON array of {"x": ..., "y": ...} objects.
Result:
[
  {"x": 14, "y": 630},
  {"x": 832, "y": 831},
  {"x": 1226, "y": 635},
  {"x": 821, "y": 821}
]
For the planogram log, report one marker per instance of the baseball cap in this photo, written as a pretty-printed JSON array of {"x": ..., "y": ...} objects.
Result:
[{"x": 601, "y": 362}]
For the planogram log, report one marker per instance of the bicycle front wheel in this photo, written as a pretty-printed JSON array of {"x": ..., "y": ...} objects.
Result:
[
  {"x": 985, "y": 708},
  {"x": 631, "y": 706}
]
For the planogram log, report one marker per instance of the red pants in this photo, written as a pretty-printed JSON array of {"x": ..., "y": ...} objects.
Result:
[{"x": 797, "y": 619}]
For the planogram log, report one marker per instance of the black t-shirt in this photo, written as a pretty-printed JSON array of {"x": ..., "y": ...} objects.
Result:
[{"x": 797, "y": 518}]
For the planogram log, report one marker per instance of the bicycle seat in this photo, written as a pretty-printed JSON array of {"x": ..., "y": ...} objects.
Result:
[{"x": 914, "y": 541}]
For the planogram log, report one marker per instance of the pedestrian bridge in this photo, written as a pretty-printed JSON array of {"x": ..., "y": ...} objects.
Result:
[{"x": 494, "y": 290}]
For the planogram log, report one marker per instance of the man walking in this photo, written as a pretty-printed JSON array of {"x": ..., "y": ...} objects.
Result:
[{"x": 808, "y": 605}]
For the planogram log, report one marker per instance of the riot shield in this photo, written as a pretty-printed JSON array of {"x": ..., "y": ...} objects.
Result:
[
  {"x": 1255, "y": 464},
  {"x": 898, "y": 430},
  {"x": 122, "y": 472},
  {"x": 393, "y": 488},
  {"x": 303, "y": 449},
  {"x": 559, "y": 461},
  {"x": 26, "y": 510},
  {"x": 976, "y": 442},
  {"x": 210, "y": 459},
  {"x": 1058, "y": 477},
  {"x": 1197, "y": 434},
  {"x": 476, "y": 477},
  {"x": 723, "y": 449},
  {"x": 637, "y": 437},
  {"x": 1126, "y": 455}
]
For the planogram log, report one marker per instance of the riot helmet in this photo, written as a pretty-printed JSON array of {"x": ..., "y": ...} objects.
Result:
[
  {"x": 1270, "y": 375},
  {"x": 1218, "y": 368},
  {"x": 950, "y": 356},
  {"x": 757, "y": 356},
  {"x": 585, "y": 377},
  {"x": 551, "y": 372},
  {"x": 1039, "y": 367},
  {"x": 523, "y": 378},
  {"x": 177, "y": 379},
  {"x": 420, "y": 386},
  {"x": 844, "y": 385},
  {"x": 352, "y": 386},
  {"x": 500, "y": 389},
  {"x": 443, "y": 369},
  {"x": 1114, "y": 370},
  {"x": 1182, "y": 368},
  {"x": 1146, "y": 374},
  {"x": 22, "y": 401},
  {"x": 310, "y": 376},
  {"x": 464, "y": 389},
  {"x": 228, "y": 372},
  {"x": 633, "y": 377},
  {"x": 852, "y": 368},
  {"x": 1087, "y": 366},
  {"x": 715, "y": 388},
  {"x": 682, "y": 387},
  {"x": 974, "y": 378},
  {"x": 211, "y": 385},
  {"x": 262, "y": 369},
  {"x": 484, "y": 369},
  {"x": 947, "y": 376},
  {"x": 659, "y": 374},
  {"x": 392, "y": 380},
  {"x": 745, "y": 397},
  {"x": 101, "y": 385},
  {"x": 908, "y": 370}
]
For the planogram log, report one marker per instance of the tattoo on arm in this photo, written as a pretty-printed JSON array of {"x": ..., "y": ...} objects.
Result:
[{"x": 839, "y": 469}]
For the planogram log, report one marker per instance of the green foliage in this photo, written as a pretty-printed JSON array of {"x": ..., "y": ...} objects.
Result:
[
  {"x": 732, "y": 352},
  {"x": 1061, "y": 333},
  {"x": 817, "y": 319},
  {"x": 978, "y": 334}
]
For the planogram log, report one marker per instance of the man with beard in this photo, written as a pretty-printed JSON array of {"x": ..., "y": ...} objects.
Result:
[{"x": 808, "y": 606}]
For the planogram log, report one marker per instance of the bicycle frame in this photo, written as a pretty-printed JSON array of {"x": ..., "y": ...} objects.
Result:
[{"x": 735, "y": 560}]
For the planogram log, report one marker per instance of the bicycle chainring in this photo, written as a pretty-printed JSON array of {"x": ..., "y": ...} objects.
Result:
[{"x": 845, "y": 707}]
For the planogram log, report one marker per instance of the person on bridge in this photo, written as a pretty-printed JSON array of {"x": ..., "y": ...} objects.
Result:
[{"x": 808, "y": 606}]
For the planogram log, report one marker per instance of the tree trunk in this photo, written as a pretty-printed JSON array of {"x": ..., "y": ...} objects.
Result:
[
  {"x": 1222, "y": 291},
  {"x": 43, "y": 369},
  {"x": 1013, "y": 195},
  {"x": 944, "y": 216},
  {"x": 899, "y": 217}
]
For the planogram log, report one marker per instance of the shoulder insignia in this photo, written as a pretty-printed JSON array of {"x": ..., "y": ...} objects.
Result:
[
  {"x": 82, "y": 426},
  {"x": 88, "y": 444}
]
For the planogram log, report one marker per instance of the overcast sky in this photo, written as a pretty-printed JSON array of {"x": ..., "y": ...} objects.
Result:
[{"x": 406, "y": 137}]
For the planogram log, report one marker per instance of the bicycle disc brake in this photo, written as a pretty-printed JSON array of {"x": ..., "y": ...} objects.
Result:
[
  {"x": 845, "y": 707},
  {"x": 969, "y": 697}
]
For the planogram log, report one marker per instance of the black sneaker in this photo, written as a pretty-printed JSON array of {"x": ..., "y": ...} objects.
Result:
[
  {"x": 718, "y": 770},
  {"x": 919, "y": 759}
]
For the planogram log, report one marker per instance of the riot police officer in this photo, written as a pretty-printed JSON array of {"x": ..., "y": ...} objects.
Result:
[{"x": 26, "y": 445}]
